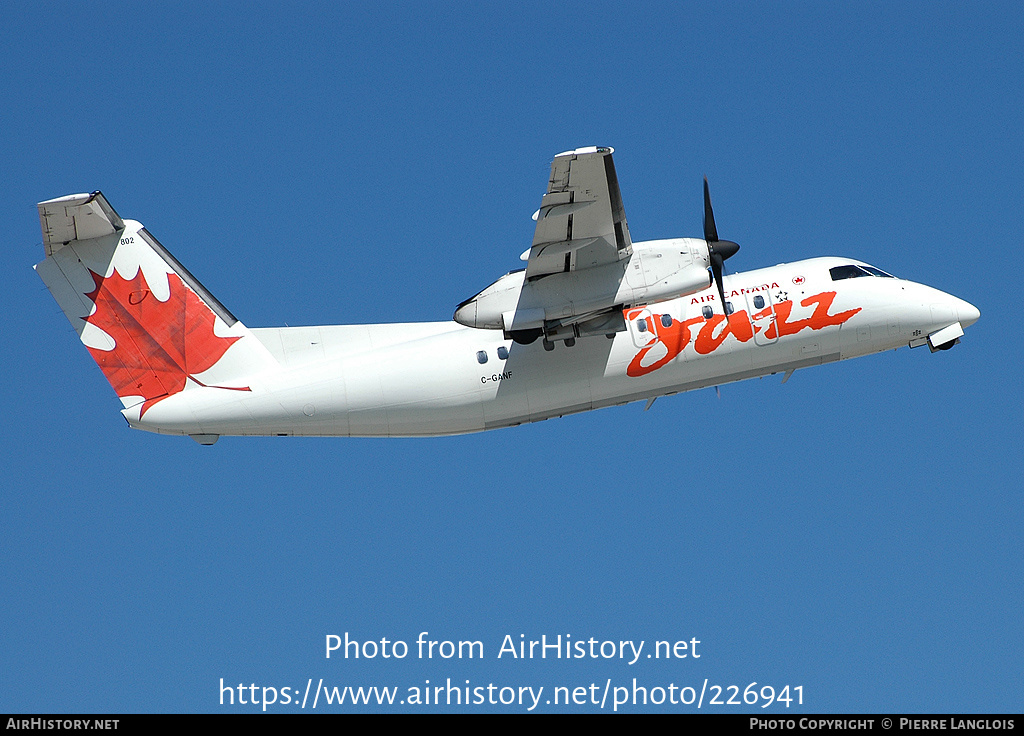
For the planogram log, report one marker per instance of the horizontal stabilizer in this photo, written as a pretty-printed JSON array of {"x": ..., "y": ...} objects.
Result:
[{"x": 76, "y": 217}]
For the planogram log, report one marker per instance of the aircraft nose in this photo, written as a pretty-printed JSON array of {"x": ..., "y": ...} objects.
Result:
[{"x": 967, "y": 312}]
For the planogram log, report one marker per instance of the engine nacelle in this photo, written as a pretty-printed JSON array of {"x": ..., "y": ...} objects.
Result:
[{"x": 657, "y": 270}]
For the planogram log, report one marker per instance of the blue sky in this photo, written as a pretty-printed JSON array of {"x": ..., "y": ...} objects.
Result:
[{"x": 856, "y": 532}]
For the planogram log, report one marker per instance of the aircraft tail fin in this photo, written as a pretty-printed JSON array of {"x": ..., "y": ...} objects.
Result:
[{"x": 149, "y": 324}]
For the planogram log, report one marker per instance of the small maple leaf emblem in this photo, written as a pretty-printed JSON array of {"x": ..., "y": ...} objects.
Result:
[{"x": 158, "y": 346}]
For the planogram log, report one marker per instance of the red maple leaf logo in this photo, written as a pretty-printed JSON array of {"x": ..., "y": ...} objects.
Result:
[{"x": 158, "y": 346}]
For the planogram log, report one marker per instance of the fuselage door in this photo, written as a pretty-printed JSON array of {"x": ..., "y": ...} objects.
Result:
[
  {"x": 641, "y": 326},
  {"x": 762, "y": 317}
]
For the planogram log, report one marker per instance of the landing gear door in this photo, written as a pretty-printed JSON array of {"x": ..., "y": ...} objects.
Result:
[
  {"x": 761, "y": 309},
  {"x": 641, "y": 326}
]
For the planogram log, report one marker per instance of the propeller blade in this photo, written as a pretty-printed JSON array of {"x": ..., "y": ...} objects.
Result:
[
  {"x": 718, "y": 250},
  {"x": 717, "y": 269},
  {"x": 710, "y": 231}
]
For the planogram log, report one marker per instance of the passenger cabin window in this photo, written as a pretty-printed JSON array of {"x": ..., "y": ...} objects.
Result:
[
  {"x": 847, "y": 272},
  {"x": 666, "y": 320},
  {"x": 481, "y": 356},
  {"x": 707, "y": 311},
  {"x": 729, "y": 308},
  {"x": 758, "y": 302},
  {"x": 502, "y": 352}
]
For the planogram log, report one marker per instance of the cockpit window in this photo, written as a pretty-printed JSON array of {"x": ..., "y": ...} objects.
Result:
[
  {"x": 879, "y": 272},
  {"x": 847, "y": 272}
]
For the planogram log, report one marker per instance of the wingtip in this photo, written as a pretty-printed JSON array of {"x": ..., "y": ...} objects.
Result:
[{"x": 585, "y": 150}]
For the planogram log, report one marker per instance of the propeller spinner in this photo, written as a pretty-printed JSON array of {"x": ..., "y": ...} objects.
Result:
[{"x": 718, "y": 250}]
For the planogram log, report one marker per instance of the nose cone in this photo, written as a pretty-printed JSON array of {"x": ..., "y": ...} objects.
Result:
[
  {"x": 967, "y": 312},
  {"x": 724, "y": 248}
]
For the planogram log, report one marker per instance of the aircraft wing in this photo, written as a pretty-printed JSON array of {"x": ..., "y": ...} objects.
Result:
[{"x": 581, "y": 223}]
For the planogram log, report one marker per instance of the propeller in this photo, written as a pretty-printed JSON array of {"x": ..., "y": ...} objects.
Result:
[{"x": 718, "y": 250}]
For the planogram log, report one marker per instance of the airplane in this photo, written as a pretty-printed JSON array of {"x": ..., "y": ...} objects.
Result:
[{"x": 593, "y": 320}]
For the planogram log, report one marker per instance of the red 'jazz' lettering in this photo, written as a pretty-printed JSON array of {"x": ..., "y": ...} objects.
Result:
[{"x": 675, "y": 338}]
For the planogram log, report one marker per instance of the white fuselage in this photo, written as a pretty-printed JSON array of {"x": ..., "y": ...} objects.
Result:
[{"x": 443, "y": 378}]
